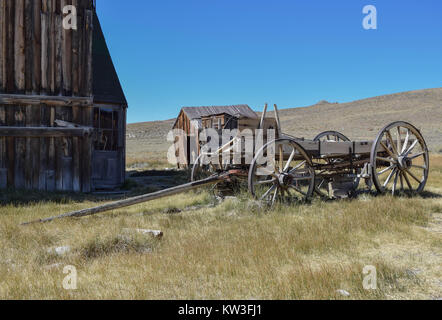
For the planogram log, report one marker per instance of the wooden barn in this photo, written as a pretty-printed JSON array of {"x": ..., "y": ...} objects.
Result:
[
  {"x": 193, "y": 119},
  {"x": 62, "y": 108}
]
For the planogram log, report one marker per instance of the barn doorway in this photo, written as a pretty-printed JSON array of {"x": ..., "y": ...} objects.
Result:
[{"x": 107, "y": 149}]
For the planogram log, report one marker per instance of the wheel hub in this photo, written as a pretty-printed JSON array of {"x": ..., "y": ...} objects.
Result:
[
  {"x": 403, "y": 163},
  {"x": 285, "y": 180}
]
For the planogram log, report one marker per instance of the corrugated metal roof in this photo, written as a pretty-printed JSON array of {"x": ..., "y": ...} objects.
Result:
[{"x": 241, "y": 110}]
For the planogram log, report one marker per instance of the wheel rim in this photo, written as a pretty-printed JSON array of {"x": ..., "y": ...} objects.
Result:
[
  {"x": 331, "y": 136},
  {"x": 288, "y": 180},
  {"x": 400, "y": 160}
]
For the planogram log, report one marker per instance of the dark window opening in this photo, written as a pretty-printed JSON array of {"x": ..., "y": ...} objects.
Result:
[{"x": 106, "y": 125}]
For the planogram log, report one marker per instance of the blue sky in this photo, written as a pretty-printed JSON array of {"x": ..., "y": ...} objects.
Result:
[{"x": 174, "y": 53}]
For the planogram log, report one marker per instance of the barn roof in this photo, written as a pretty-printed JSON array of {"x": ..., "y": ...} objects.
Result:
[
  {"x": 241, "y": 110},
  {"x": 106, "y": 85}
]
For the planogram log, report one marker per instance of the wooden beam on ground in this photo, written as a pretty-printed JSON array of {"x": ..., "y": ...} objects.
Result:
[{"x": 139, "y": 199}]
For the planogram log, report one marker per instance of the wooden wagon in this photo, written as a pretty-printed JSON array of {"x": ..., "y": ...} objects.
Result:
[{"x": 289, "y": 169}]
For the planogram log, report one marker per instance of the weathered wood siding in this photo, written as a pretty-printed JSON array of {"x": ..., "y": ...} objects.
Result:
[{"x": 39, "y": 57}]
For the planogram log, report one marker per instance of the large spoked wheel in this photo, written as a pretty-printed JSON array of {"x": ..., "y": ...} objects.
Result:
[
  {"x": 282, "y": 171},
  {"x": 400, "y": 159},
  {"x": 322, "y": 180}
]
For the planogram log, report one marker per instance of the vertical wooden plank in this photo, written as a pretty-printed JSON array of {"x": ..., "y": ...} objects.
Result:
[
  {"x": 66, "y": 57},
  {"x": 20, "y": 149},
  {"x": 10, "y": 148},
  {"x": 76, "y": 184},
  {"x": 45, "y": 51},
  {"x": 58, "y": 142},
  {"x": 29, "y": 45},
  {"x": 76, "y": 112},
  {"x": 3, "y": 151},
  {"x": 50, "y": 171},
  {"x": 75, "y": 59},
  {"x": 10, "y": 52},
  {"x": 88, "y": 53},
  {"x": 58, "y": 164},
  {"x": 52, "y": 49},
  {"x": 2, "y": 45},
  {"x": 19, "y": 85},
  {"x": 58, "y": 86},
  {"x": 19, "y": 46},
  {"x": 36, "y": 78},
  {"x": 86, "y": 159},
  {"x": 35, "y": 149},
  {"x": 28, "y": 151},
  {"x": 3, "y": 55},
  {"x": 80, "y": 54},
  {"x": 44, "y": 142},
  {"x": 123, "y": 133}
]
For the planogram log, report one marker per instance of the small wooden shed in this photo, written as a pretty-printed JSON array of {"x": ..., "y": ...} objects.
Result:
[
  {"x": 193, "y": 119},
  {"x": 62, "y": 108}
]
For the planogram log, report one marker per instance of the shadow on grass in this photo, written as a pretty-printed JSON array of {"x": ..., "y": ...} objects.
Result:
[
  {"x": 404, "y": 194},
  {"x": 132, "y": 187}
]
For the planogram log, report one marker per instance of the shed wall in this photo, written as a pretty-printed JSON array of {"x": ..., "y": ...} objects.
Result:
[{"x": 40, "y": 59}]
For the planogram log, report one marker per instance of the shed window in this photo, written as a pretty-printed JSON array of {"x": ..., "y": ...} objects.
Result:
[{"x": 106, "y": 124}]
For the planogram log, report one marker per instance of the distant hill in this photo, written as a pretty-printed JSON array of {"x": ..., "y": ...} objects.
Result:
[{"x": 360, "y": 119}]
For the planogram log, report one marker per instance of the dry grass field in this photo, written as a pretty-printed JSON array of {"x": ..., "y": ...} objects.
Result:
[
  {"x": 232, "y": 249},
  {"x": 229, "y": 250}
]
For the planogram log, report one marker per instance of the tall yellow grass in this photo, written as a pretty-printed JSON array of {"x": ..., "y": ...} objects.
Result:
[{"x": 232, "y": 250}]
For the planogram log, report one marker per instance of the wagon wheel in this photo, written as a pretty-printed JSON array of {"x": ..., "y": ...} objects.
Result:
[
  {"x": 281, "y": 171},
  {"x": 399, "y": 159},
  {"x": 321, "y": 185}
]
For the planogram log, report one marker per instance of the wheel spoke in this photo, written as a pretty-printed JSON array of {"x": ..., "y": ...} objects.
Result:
[
  {"x": 268, "y": 192},
  {"x": 275, "y": 196},
  {"x": 399, "y": 141},
  {"x": 258, "y": 183},
  {"x": 301, "y": 178},
  {"x": 419, "y": 167},
  {"x": 389, "y": 177},
  {"x": 281, "y": 158},
  {"x": 292, "y": 155},
  {"x": 407, "y": 139},
  {"x": 385, "y": 159},
  {"x": 407, "y": 180},
  {"x": 411, "y": 148},
  {"x": 393, "y": 146},
  {"x": 402, "y": 181},
  {"x": 417, "y": 155},
  {"x": 298, "y": 166},
  {"x": 387, "y": 149},
  {"x": 320, "y": 185},
  {"x": 386, "y": 169},
  {"x": 298, "y": 190},
  {"x": 393, "y": 189},
  {"x": 413, "y": 176},
  {"x": 275, "y": 166}
]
